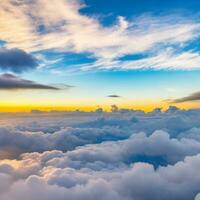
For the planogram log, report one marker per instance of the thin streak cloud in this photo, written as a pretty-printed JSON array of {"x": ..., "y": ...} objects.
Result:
[
  {"x": 114, "y": 96},
  {"x": 13, "y": 82},
  {"x": 193, "y": 97}
]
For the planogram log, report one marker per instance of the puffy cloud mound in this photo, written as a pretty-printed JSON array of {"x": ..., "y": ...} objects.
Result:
[
  {"x": 125, "y": 154},
  {"x": 40, "y": 178}
]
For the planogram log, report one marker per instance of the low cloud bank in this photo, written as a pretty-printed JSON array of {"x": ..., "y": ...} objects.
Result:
[
  {"x": 120, "y": 155},
  {"x": 41, "y": 178}
]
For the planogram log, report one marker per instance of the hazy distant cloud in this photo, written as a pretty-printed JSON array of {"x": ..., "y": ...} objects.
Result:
[
  {"x": 11, "y": 82},
  {"x": 114, "y": 96},
  {"x": 193, "y": 97},
  {"x": 16, "y": 60}
]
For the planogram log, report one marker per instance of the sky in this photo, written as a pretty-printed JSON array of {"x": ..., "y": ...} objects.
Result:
[
  {"x": 71, "y": 54},
  {"x": 133, "y": 66}
]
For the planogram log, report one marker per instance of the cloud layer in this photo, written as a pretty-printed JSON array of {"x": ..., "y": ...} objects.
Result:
[
  {"x": 124, "y": 154},
  {"x": 39, "y": 177}
]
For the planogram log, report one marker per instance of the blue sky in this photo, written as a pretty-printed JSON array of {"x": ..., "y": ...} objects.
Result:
[
  {"x": 142, "y": 51},
  {"x": 130, "y": 8}
]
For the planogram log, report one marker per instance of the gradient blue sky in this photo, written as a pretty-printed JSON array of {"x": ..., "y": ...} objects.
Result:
[{"x": 144, "y": 51}]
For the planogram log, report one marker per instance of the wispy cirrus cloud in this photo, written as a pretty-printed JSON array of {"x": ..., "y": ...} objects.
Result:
[
  {"x": 165, "y": 60},
  {"x": 59, "y": 25}
]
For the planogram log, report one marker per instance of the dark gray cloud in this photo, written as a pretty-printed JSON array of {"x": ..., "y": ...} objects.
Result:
[
  {"x": 11, "y": 82},
  {"x": 114, "y": 96},
  {"x": 192, "y": 97},
  {"x": 16, "y": 60}
]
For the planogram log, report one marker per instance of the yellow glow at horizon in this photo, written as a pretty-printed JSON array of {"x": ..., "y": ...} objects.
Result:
[{"x": 91, "y": 106}]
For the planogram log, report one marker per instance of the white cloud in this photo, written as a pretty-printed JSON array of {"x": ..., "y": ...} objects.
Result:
[
  {"x": 58, "y": 25},
  {"x": 138, "y": 181},
  {"x": 168, "y": 60},
  {"x": 101, "y": 156},
  {"x": 66, "y": 131}
]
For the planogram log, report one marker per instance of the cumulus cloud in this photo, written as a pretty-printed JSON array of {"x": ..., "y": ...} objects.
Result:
[
  {"x": 193, "y": 133},
  {"x": 16, "y": 60},
  {"x": 64, "y": 139},
  {"x": 13, "y": 82},
  {"x": 124, "y": 154},
  {"x": 118, "y": 133},
  {"x": 158, "y": 149},
  {"x": 37, "y": 25},
  {"x": 40, "y": 179}
]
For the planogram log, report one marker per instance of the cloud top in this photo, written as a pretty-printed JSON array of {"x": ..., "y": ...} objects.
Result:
[{"x": 124, "y": 154}]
